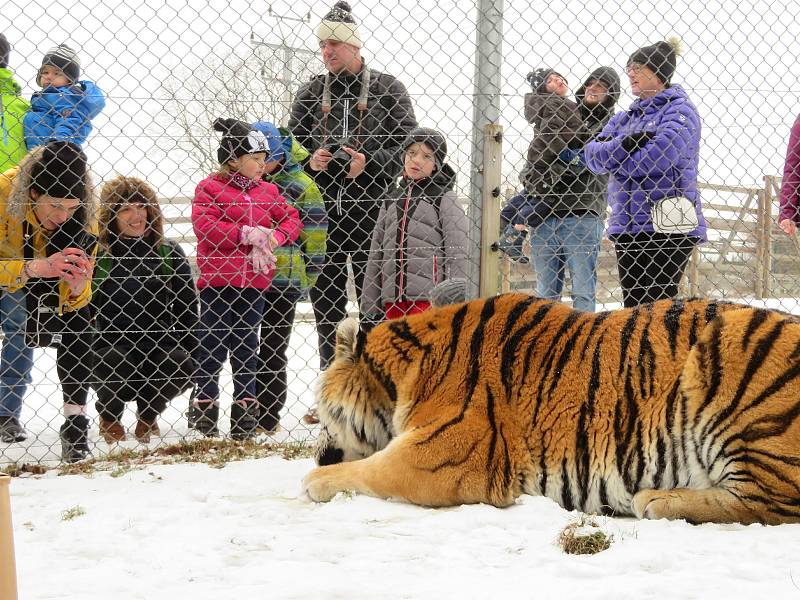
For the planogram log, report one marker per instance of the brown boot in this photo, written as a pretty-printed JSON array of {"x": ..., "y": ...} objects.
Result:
[
  {"x": 144, "y": 429},
  {"x": 112, "y": 431}
]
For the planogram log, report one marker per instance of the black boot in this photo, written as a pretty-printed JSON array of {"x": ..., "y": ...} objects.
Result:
[
  {"x": 203, "y": 417},
  {"x": 11, "y": 430},
  {"x": 244, "y": 419},
  {"x": 75, "y": 438}
]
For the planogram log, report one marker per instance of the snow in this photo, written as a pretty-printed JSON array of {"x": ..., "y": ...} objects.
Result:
[
  {"x": 246, "y": 530},
  {"x": 192, "y": 531}
]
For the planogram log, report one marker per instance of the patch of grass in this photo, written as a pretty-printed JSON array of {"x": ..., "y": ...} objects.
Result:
[
  {"x": 17, "y": 470},
  {"x": 584, "y": 536},
  {"x": 216, "y": 453},
  {"x": 72, "y": 513}
]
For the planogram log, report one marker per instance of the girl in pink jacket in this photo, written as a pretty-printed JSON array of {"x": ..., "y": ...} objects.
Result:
[{"x": 238, "y": 220}]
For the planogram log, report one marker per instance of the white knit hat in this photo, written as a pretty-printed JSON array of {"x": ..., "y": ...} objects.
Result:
[{"x": 339, "y": 25}]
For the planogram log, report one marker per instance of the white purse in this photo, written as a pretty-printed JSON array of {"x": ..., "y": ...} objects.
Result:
[{"x": 675, "y": 214}]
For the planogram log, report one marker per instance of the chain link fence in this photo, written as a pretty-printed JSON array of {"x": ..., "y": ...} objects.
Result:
[{"x": 546, "y": 110}]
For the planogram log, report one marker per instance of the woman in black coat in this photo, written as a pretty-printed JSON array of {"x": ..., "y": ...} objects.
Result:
[{"x": 146, "y": 311}]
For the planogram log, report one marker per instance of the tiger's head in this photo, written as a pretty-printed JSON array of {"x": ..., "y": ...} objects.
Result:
[{"x": 355, "y": 411}]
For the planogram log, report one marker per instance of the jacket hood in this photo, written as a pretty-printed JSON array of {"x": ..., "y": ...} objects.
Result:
[
  {"x": 608, "y": 76},
  {"x": 442, "y": 180},
  {"x": 432, "y": 138},
  {"x": 7, "y": 83},
  {"x": 671, "y": 94}
]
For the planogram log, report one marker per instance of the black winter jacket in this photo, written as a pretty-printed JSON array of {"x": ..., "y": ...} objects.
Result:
[
  {"x": 136, "y": 304},
  {"x": 383, "y": 127}
]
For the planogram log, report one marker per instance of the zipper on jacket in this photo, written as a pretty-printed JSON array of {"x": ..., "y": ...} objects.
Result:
[
  {"x": 401, "y": 256},
  {"x": 345, "y": 126},
  {"x": 250, "y": 220}
]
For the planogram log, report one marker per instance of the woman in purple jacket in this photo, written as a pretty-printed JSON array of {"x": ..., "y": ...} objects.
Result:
[
  {"x": 789, "y": 217},
  {"x": 651, "y": 152}
]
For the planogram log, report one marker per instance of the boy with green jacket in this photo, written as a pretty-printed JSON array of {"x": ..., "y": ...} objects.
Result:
[
  {"x": 12, "y": 110},
  {"x": 298, "y": 266}
]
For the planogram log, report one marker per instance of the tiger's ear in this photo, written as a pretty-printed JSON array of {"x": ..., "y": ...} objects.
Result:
[{"x": 346, "y": 339}]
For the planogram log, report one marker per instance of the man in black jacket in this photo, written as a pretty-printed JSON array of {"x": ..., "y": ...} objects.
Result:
[{"x": 353, "y": 121}]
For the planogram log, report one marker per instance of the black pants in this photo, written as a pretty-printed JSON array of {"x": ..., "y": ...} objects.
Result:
[
  {"x": 276, "y": 329},
  {"x": 74, "y": 358},
  {"x": 150, "y": 377},
  {"x": 346, "y": 237},
  {"x": 651, "y": 265}
]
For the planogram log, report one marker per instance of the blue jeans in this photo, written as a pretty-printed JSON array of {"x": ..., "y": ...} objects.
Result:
[
  {"x": 571, "y": 242},
  {"x": 229, "y": 322},
  {"x": 16, "y": 358}
]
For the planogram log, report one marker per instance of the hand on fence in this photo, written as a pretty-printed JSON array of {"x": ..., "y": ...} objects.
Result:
[
  {"x": 635, "y": 141},
  {"x": 788, "y": 226},
  {"x": 357, "y": 162},
  {"x": 320, "y": 159},
  {"x": 263, "y": 261}
]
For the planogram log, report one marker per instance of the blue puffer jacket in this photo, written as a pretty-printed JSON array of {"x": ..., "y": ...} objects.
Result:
[
  {"x": 63, "y": 114},
  {"x": 664, "y": 167}
]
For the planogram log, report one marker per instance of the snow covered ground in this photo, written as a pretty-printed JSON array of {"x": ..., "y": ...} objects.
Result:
[{"x": 244, "y": 531}]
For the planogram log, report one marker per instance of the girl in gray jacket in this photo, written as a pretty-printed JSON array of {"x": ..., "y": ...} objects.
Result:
[{"x": 421, "y": 235}]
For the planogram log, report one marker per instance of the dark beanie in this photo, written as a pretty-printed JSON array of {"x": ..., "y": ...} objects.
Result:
[
  {"x": 238, "y": 139},
  {"x": 60, "y": 172},
  {"x": 5, "y": 51},
  {"x": 62, "y": 57},
  {"x": 432, "y": 138},
  {"x": 660, "y": 58},
  {"x": 538, "y": 79}
]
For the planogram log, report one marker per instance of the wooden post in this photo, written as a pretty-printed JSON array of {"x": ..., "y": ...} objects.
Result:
[
  {"x": 505, "y": 262},
  {"x": 8, "y": 571},
  {"x": 490, "y": 211},
  {"x": 766, "y": 266}
]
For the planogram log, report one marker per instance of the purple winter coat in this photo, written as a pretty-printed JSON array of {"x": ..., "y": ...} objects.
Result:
[
  {"x": 790, "y": 186},
  {"x": 666, "y": 166}
]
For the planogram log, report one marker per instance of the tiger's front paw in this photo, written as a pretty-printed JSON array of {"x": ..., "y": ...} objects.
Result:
[
  {"x": 321, "y": 485},
  {"x": 652, "y": 504}
]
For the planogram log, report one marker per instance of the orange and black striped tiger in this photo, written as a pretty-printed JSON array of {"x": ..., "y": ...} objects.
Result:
[{"x": 676, "y": 409}]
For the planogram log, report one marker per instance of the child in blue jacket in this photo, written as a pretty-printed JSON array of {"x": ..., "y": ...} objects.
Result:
[{"x": 64, "y": 108}]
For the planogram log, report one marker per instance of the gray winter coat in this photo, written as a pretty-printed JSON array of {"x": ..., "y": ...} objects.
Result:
[
  {"x": 377, "y": 133},
  {"x": 420, "y": 239}
]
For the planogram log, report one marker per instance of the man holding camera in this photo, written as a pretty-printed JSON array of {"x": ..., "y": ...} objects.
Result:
[{"x": 353, "y": 120}]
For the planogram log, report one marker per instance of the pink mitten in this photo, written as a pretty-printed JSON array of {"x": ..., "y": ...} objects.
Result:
[
  {"x": 263, "y": 261},
  {"x": 256, "y": 236}
]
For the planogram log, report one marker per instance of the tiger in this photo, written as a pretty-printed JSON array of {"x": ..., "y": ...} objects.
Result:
[{"x": 678, "y": 409}]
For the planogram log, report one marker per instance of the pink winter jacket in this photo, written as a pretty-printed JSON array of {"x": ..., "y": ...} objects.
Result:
[
  {"x": 219, "y": 210},
  {"x": 790, "y": 186}
]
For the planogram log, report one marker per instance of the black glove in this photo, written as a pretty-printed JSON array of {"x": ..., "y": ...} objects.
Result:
[{"x": 633, "y": 142}]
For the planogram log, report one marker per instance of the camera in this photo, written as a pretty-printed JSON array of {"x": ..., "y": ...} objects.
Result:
[{"x": 339, "y": 165}]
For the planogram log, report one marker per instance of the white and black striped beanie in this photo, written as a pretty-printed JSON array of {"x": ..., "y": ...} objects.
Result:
[
  {"x": 62, "y": 57},
  {"x": 339, "y": 25}
]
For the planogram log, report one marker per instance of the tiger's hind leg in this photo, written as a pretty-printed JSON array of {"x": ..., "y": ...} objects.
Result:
[
  {"x": 429, "y": 474},
  {"x": 712, "y": 505}
]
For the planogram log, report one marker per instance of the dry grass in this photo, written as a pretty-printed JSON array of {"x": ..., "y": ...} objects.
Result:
[
  {"x": 584, "y": 536},
  {"x": 216, "y": 453}
]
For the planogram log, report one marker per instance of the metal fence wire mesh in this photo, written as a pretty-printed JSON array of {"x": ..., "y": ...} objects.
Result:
[{"x": 196, "y": 193}]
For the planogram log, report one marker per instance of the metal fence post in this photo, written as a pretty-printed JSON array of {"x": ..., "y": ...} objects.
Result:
[
  {"x": 486, "y": 111},
  {"x": 8, "y": 572}
]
